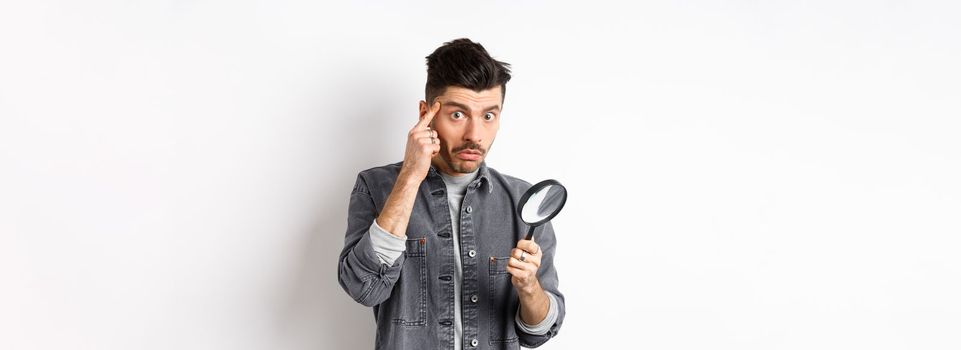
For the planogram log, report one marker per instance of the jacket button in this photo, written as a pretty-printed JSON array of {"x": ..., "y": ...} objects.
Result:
[
  {"x": 471, "y": 253},
  {"x": 469, "y": 209},
  {"x": 473, "y": 342},
  {"x": 473, "y": 298}
]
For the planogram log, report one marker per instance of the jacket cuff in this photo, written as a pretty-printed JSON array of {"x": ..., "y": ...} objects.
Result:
[
  {"x": 366, "y": 258},
  {"x": 387, "y": 246},
  {"x": 545, "y": 325}
]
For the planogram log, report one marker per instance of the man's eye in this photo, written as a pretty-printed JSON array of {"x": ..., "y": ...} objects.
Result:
[
  {"x": 457, "y": 115},
  {"x": 489, "y": 116}
]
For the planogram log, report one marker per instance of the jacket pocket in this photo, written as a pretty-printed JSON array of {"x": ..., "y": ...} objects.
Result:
[
  {"x": 409, "y": 297},
  {"x": 503, "y": 302}
]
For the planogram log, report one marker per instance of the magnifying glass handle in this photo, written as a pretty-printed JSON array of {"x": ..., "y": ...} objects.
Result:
[{"x": 530, "y": 233}]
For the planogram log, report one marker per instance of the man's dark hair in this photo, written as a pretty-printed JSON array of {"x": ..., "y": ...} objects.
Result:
[{"x": 467, "y": 64}]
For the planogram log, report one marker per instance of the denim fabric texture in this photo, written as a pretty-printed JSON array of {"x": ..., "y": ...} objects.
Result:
[{"x": 413, "y": 299}]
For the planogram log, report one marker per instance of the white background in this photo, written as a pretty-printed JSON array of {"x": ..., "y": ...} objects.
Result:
[{"x": 742, "y": 174}]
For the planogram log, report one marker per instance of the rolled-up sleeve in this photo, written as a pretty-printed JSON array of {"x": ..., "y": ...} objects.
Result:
[
  {"x": 360, "y": 270},
  {"x": 387, "y": 246},
  {"x": 545, "y": 325}
]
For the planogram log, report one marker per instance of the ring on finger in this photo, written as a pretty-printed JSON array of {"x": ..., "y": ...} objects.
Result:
[{"x": 522, "y": 256}]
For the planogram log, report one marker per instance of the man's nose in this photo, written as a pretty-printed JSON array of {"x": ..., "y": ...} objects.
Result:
[{"x": 473, "y": 131}]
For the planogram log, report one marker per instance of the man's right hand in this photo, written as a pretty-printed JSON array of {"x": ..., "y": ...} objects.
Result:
[{"x": 422, "y": 145}]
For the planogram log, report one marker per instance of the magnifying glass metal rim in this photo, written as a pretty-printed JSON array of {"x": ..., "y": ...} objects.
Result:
[{"x": 534, "y": 189}]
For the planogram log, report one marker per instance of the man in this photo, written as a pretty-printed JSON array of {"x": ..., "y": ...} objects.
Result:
[{"x": 433, "y": 243}]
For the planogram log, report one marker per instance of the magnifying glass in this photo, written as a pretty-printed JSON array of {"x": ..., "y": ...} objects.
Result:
[{"x": 541, "y": 203}]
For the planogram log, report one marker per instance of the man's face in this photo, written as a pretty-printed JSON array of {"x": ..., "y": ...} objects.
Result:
[{"x": 466, "y": 125}]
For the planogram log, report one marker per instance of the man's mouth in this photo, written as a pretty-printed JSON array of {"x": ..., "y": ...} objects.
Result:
[{"x": 469, "y": 154}]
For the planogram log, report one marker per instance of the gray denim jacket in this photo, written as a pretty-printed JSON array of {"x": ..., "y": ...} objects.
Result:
[{"x": 413, "y": 299}]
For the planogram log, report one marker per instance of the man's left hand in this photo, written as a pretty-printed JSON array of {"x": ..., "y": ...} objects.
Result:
[{"x": 523, "y": 264}]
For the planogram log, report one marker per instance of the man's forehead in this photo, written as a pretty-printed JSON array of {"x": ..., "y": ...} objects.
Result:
[{"x": 484, "y": 99}]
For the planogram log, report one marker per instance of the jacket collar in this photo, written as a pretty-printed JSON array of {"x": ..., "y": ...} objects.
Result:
[{"x": 483, "y": 176}]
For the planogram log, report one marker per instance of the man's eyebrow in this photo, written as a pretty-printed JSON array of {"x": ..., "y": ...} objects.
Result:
[{"x": 462, "y": 106}]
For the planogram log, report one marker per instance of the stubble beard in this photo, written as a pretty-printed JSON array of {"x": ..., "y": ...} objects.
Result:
[{"x": 463, "y": 167}]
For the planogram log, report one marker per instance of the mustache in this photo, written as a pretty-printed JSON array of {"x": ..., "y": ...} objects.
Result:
[{"x": 471, "y": 146}]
